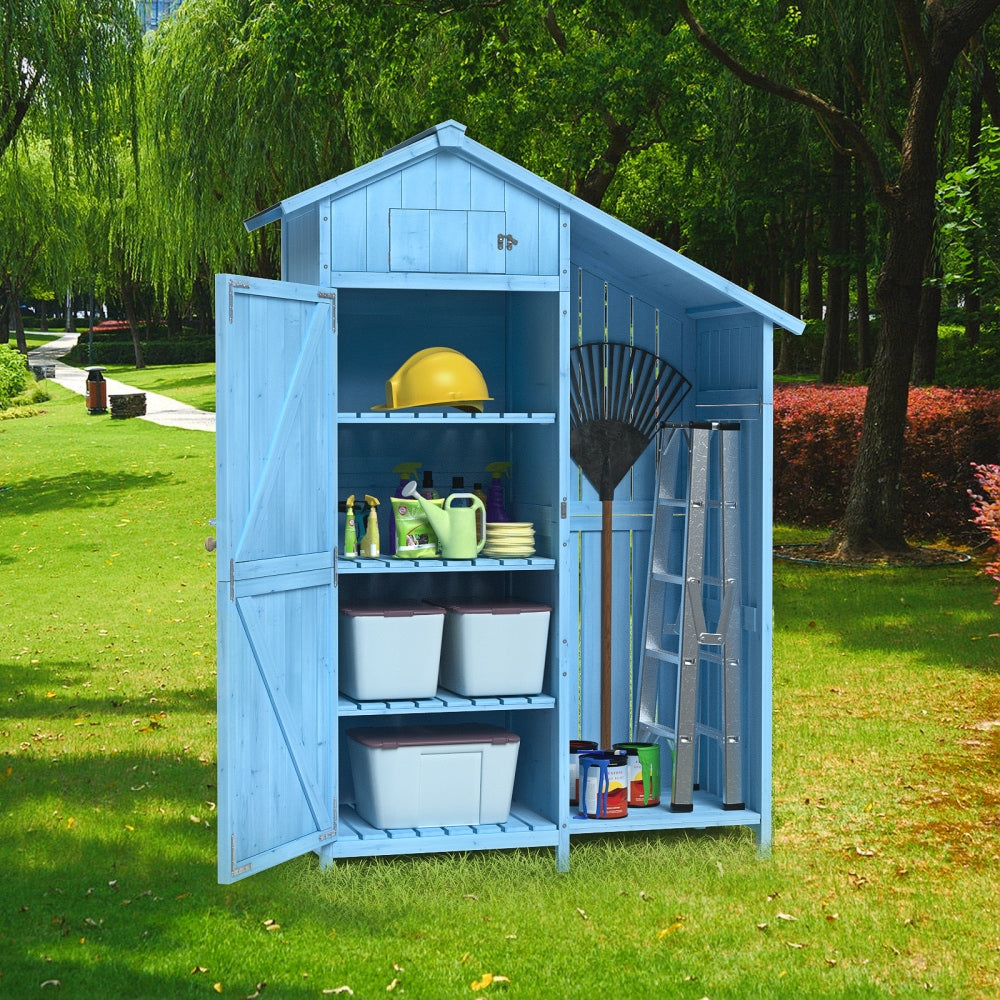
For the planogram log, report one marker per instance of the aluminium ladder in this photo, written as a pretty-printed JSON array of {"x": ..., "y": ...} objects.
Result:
[{"x": 689, "y": 689}]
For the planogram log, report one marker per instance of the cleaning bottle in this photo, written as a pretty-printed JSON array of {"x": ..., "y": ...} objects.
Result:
[
  {"x": 370, "y": 543},
  {"x": 495, "y": 509},
  {"x": 350, "y": 531},
  {"x": 406, "y": 471},
  {"x": 427, "y": 491}
]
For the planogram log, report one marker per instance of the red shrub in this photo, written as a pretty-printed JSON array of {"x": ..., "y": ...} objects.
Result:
[
  {"x": 986, "y": 507},
  {"x": 816, "y": 433}
]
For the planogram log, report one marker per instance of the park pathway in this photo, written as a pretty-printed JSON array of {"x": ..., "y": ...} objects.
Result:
[{"x": 159, "y": 409}]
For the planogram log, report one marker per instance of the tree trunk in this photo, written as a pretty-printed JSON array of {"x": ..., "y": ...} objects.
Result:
[
  {"x": 973, "y": 305},
  {"x": 865, "y": 341},
  {"x": 925, "y": 350},
  {"x": 872, "y": 521},
  {"x": 838, "y": 274},
  {"x": 16, "y": 319},
  {"x": 127, "y": 289}
]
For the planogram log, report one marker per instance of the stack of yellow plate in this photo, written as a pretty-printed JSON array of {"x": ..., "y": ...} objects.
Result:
[{"x": 509, "y": 540}]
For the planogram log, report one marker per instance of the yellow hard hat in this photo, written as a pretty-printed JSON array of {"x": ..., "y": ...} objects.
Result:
[{"x": 436, "y": 376}]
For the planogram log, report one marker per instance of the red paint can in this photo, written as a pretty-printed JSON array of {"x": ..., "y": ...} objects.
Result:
[{"x": 604, "y": 784}]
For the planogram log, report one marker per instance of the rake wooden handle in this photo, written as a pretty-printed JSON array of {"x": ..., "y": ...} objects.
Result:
[{"x": 606, "y": 506}]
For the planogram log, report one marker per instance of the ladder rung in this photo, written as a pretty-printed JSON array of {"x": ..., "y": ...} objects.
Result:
[
  {"x": 657, "y": 729},
  {"x": 663, "y": 655}
]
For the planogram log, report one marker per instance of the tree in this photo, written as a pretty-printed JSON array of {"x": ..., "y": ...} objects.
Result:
[
  {"x": 902, "y": 169},
  {"x": 71, "y": 66}
]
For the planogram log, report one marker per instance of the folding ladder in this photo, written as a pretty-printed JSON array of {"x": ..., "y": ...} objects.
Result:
[{"x": 689, "y": 689}]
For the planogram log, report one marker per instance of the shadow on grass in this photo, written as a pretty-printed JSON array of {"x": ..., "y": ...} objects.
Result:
[
  {"x": 91, "y": 488},
  {"x": 24, "y": 687},
  {"x": 941, "y": 617}
]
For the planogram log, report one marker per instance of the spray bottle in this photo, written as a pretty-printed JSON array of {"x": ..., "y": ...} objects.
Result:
[
  {"x": 406, "y": 471},
  {"x": 495, "y": 509},
  {"x": 350, "y": 531},
  {"x": 370, "y": 543}
]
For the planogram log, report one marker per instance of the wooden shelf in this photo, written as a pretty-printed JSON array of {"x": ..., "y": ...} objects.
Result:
[{"x": 443, "y": 701}]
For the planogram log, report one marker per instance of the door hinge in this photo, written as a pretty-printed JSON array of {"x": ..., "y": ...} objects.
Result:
[
  {"x": 244, "y": 868},
  {"x": 336, "y": 574},
  {"x": 232, "y": 580},
  {"x": 332, "y": 296},
  {"x": 562, "y": 509},
  {"x": 235, "y": 284}
]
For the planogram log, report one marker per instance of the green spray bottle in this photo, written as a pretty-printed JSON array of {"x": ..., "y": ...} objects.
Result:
[
  {"x": 370, "y": 543},
  {"x": 496, "y": 511},
  {"x": 406, "y": 471},
  {"x": 350, "y": 531}
]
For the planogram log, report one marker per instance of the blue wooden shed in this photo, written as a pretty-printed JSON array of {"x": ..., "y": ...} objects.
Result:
[{"x": 443, "y": 242}]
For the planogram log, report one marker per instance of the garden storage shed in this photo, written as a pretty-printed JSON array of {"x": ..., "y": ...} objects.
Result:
[{"x": 442, "y": 242}]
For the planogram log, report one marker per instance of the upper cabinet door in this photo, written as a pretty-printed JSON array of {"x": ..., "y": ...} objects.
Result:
[{"x": 276, "y": 520}]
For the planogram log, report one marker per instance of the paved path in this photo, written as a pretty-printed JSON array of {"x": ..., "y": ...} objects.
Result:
[{"x": 159, "y": 409}]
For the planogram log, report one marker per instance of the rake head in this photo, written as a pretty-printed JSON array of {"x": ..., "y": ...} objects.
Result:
[{"x": 620, "y": 395}]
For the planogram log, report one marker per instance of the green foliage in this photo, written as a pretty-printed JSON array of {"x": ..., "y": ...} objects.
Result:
[
  {"x": 986, "y": 511},
  {"x": 816, "y": 433},
  {"x": 14, "y": 375},
  {"x": 186, "y": 351}
]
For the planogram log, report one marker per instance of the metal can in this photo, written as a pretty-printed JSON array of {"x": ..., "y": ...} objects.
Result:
[
  {"x": 604, "y": 784},
  {"x": 643, "y": 773}
]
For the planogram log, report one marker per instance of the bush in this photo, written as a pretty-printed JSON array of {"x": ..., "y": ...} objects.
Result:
[
  {"x": 986, "y": 507},
  {"x": 816, "y": 433},
  {"x": 190, "y": 351},
  {"x": 14, "y": 374}
]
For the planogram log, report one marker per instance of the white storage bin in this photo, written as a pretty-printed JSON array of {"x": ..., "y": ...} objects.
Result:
[
  {"x": 457, "y": 775},
  {"x": 390, "y": 651},
  {"x": 494, "y": 647}
]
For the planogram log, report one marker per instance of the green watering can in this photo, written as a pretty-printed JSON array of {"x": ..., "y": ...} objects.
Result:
[{"x": 455, "y": 526}]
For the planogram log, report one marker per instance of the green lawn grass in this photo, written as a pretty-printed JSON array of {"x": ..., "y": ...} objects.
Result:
[
  {"x": 191, "y": 384},
  {"x": 887, "y": 792}
]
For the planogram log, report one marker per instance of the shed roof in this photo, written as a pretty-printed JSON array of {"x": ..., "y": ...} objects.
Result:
[{"x": 620, "y": 250}]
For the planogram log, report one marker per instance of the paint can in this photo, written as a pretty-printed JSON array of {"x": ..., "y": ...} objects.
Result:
[
  {"x": 577, "y": 747},
  {"x": 603, "y": 784},
  {"x": 643, "y": 773}
]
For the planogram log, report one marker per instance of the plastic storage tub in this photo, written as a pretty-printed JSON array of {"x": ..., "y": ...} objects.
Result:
[
  {"x": 458, "y": 775},
  {"x": 389, "y": 651},
  {"x": 494, "y": 647}
]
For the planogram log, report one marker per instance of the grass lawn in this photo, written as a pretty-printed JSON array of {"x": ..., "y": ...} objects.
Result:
[
  {"x": 191, "y": 384},
  {"x": 886, "y": 776}
]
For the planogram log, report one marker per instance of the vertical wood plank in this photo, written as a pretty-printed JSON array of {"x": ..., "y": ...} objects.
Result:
[{"x": 383, "y": 195}]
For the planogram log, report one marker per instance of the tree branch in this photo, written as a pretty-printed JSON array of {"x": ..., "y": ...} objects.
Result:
[{"x": 860, "y": 146}]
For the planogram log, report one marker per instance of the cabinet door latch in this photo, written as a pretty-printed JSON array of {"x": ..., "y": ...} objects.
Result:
[
  {"x": 505, "y": 241},
  {"x": 562, "y": 509}
]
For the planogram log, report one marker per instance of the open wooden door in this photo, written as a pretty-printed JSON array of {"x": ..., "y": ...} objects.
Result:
[{"x": 276, "y": 447}]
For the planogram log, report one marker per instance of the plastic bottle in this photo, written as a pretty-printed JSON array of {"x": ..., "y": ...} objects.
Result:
[
  {"x": 370, "y": 543},
  {"x": 350, "y": 531},
  {"x": 496, "y": 511},
  {"x": 406, "y": 471},
  {"x": 427, "y": 491}
]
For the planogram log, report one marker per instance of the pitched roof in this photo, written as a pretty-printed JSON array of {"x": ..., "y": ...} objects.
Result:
[{"x": 616, "y": 248}]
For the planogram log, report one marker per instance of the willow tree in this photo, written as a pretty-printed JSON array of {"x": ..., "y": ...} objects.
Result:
[
  {"x": 245, "y": 102},
  {"x": 68, "y": 69},
  {"x": 899, "y": 153}
]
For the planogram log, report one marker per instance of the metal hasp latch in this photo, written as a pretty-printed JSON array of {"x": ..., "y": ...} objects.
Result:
[{"x": 505, "y": 241}]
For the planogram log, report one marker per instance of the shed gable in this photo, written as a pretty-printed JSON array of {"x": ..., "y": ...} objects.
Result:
[{"x": 441, "y": 213}]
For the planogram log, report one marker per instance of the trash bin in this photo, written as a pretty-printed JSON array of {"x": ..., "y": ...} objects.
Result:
[{"x": 97, "y": 391}]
